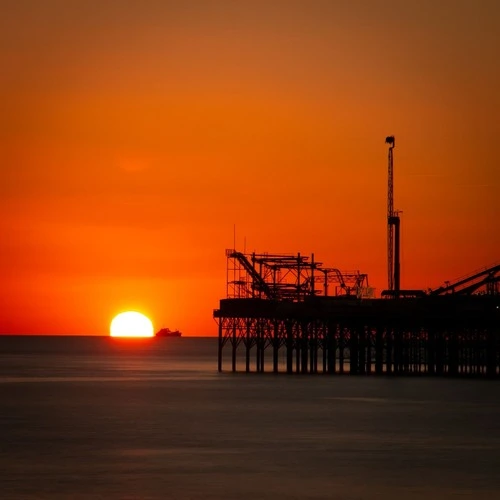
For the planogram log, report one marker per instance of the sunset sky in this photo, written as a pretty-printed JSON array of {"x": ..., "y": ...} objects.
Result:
[{"x": 135, "y": 134}]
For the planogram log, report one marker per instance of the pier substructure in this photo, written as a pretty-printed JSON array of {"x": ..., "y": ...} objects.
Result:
[{"x": 448, "y": 335}]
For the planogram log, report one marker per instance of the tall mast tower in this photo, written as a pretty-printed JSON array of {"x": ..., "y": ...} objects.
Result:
[{"x": 393, "y": 236}]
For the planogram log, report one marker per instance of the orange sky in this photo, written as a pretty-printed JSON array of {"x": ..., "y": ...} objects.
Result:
[{"x": 135, "y": 134}]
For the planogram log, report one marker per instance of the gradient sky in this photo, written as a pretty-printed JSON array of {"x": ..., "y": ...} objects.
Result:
[{"x": 135, "y": 134}]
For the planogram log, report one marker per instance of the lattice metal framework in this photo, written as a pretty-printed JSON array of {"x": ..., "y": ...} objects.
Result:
[
  {"x": 393, "y": 224},
  {"x": 312, "y": 345},
  {"x": 482, "y": 281},
  {"x": 289, "y": 277}
]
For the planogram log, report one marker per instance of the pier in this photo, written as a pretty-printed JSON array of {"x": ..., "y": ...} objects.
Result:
[{"x": 289, "y": 314}]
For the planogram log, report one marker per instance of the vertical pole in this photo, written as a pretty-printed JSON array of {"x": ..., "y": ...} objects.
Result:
[
  {"x": 312, "y": 349},
  {"x": 453, "y": 352},
  {"x": 396, "y": 333},
  {"x": 439, "y": 352},
  {"x": 362, "y": 350},
  {"x": 491, "y": 353},
  {"x": 430, "y": 349},
  {"x": 324, "y": 354},
  {"x": 275, "y": 346},
  {"x": 316, "y": 348},
  {"x": 341, "y": 348},
  {"x": 247, "y": 346},
  {"x": 389, "y": 342},
  {"x": 368, "y": 342},
  {"x": 298, "y": 276},
  {"x": 405, "y": 350},
  {"x": 419, "y": 350},
  {"x": 298, "y": 348},
  {"x": 390, "y": 213},
  {"x": 289, "y": 346},
  {"x": 330, "y": 346},
  {"x": 233, "y": 342},
  {"x": 353, "y": 351},
  {"x": 303, "y": 346},
  {"x": 379, "y": 350},
  {"x": 396, "y": 255},
  {"x": 324, "y": 329},
  {"x": 219, "y": 364},
  {"x": 477, "y": 350},
  {"x": 411, "y": 351},
  {"x": 257, "y": 346},
  {"x": 313, "y": 285},
  {"x": 265, "y": 328}
]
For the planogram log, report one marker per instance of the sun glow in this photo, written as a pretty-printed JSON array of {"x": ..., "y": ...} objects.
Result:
[{"x": 131, "y": 324}]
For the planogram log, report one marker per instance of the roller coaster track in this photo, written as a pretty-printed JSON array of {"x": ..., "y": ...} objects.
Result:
[
  {"x": 258, "y": 282},
  {"x": 349, "y": 281},
  {"x": 470, "y": 283}
]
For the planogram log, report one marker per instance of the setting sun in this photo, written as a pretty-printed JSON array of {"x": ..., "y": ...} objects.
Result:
[{"x": 131, "y": 324}]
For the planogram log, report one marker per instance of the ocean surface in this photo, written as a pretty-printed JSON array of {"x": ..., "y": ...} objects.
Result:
[{"x": 103, "y": 418}]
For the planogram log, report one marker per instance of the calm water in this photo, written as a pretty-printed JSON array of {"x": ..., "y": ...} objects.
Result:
[{"x": 152, "y": 419}]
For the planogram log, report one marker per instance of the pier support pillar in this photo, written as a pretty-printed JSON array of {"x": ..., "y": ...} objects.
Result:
[
  {"x": 354, "y": 351},
  {"x": 289, "y": 347},
  {"x": 389, "y": 342},
  {"x": 248, "y": 344},
  {"x": 491, "y": 353},
  {"x": 219, "y": 358},
  {"x": 330, "y": 347},
  {"x": 303, "y": 347},
  {"x": 276, "y": 345},
  {"x": 453, "y": 352},
  {"x": 361, "y": 350},
  {"x": 234, "y": 345},
  {"x": 439, "y": 342},
  {"x": 341, "y": 348},
  {"x": 379, "y": 351}
]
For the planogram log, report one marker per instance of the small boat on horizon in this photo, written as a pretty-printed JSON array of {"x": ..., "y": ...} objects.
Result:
[{"x": 166, "y": 332}]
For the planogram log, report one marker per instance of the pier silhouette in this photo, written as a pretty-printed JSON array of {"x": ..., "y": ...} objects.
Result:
[
  {"x": 327, "y": 320},
  {"x": 274, "y": 307}
]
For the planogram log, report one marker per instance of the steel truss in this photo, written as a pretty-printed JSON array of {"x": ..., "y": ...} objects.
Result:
[
  {"x": 486, "y": 281},
  {"x": 289, "y": 278},
  {"x": 313, "y": 345}
]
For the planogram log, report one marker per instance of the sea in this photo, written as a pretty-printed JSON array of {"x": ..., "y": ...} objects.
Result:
[{"x": 104, "y": 418}]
